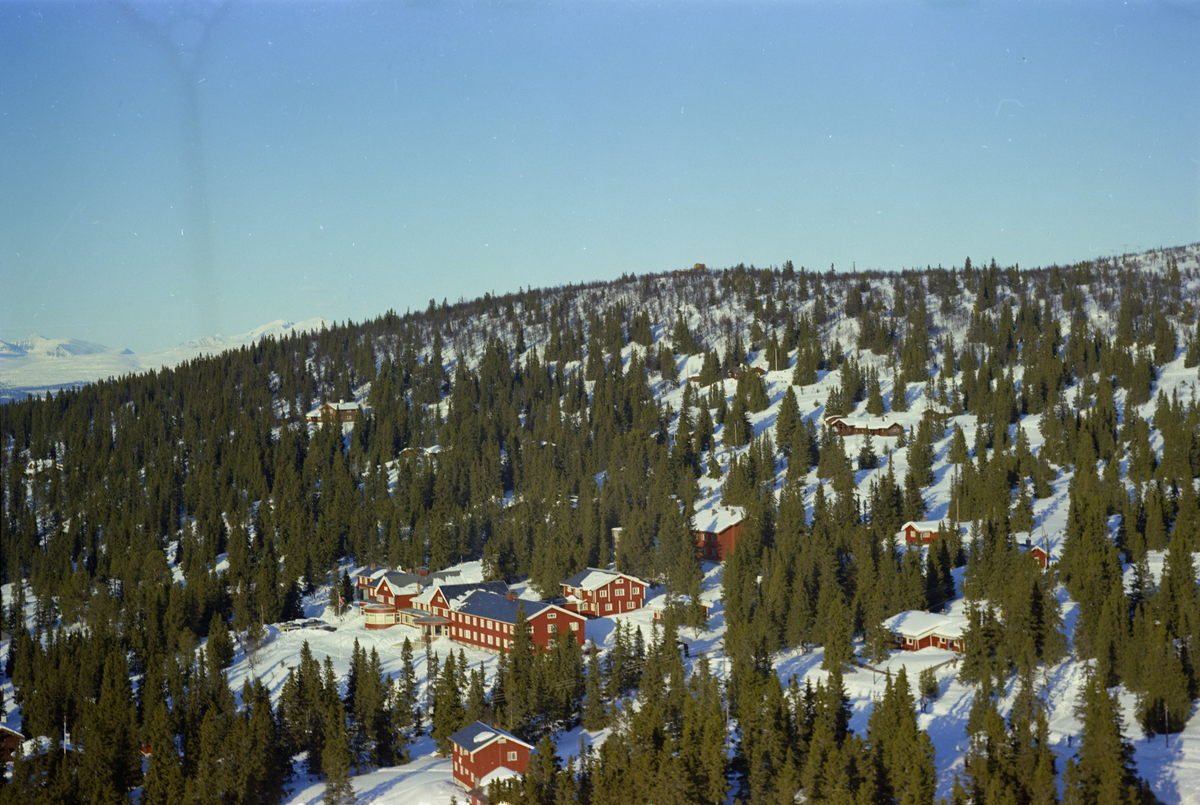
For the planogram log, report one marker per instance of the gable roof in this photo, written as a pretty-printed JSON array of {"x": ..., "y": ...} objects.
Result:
[
  {"x": 451, "y": 592},
  {"x": 593, "y": 578},
  {"x": 483, "y": 604},
  {"x": 477, "y": 735},
  {"x": 916, "y": 624},
  {"x": 718, "y": 518},
  {"x": 923, "y": 525},
  {"x": 858, "y": 421}
]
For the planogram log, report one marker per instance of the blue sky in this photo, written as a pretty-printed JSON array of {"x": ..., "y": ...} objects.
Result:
[{"x": 175, "y": 170}]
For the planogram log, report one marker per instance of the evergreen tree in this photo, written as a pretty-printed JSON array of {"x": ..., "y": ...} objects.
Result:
[
  {"x": 335, "y": 757},
  {"x": 1102, "y": 769}
]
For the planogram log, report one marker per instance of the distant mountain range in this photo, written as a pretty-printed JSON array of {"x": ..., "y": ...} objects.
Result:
[{"x": 35, "y": 365}]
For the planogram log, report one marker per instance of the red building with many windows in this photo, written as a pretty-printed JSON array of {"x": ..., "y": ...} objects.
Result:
[
  {"x": 603, "y": 592},
  {"x": 478, "y": 750},
  {"x": 488, "y": 620}
]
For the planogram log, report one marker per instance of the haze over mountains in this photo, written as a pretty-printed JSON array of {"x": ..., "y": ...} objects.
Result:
[{"x": 35, "y": 365}]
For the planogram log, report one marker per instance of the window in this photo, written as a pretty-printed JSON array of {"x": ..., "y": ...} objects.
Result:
[
  {"x": 608, "y": 607},
  {"x": 630, "y": 605},
  {"x": 575, "y": 626},
  {"x": 512, "y": 756},
  {"x": 604, "y": 593},
  {"x": 552, "y": 615},
  {"x": 620, "y": 591}
]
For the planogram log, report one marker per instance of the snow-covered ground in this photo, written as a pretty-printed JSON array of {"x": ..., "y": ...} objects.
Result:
[{"x": 1172, "y": 767}]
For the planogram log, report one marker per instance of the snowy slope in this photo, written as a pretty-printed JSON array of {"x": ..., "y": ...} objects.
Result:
[{"x": 1173, "y": 771}]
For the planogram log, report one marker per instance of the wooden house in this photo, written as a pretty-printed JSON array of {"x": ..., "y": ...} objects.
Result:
[
  {"x": 332, "y": 413},
  {"x": 603, "y": 592},
  {"x": 914, "y": 630},
  {"x": 859, "y": 426},
  {"x": 9, "y": 741},
  {"x": 488, "y": 620},
  {"x": 477, "y": 750},
  {"x": 716, "y": 531},
  {"x": 920, "y": 532}
]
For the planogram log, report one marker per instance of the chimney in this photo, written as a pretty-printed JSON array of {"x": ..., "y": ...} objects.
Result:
[
  {"x": 511, "y": 596},
  {"x": 372, "y": 567},
  {"x": 422, "y": 571}
]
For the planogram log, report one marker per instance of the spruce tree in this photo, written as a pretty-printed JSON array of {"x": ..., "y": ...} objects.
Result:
[
  {"x": 1102, "y": 769},
  {"x": 335, "y": 757}
]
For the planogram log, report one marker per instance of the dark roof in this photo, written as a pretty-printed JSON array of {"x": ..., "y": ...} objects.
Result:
[
  {"x": 477, "y": 735},
  {"x": 398, "y": 578},
  {"x": 452, "y": 591},
  {"x": 497, "y": 607}
]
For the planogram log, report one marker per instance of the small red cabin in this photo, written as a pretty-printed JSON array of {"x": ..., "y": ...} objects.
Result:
[
  {"x": 914, "y": 630},
  {"x": 920, "y": 532},
  {"x": 478, "y": 750}
]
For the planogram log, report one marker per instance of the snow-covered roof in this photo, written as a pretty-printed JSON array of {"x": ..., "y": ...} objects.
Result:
[
  {"x": 862, "y": 421},
  {"x": 498, "y": 773},
  {"x": 593, "y": 578},
  {"x": 922, "y": 525},
  {"x": 454, "y": 592},
  {"x": 477, "y": 735},
  {"x": 497, "y": 607},
  {"x": 915, "y": 623},
  {"x": 718, "y": 518}
]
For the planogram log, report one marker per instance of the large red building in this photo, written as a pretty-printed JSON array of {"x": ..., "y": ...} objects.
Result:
[
  {"x": 487, "y": 620},
  {"x": 603, "y": 592},
  {"x": 478, "y": 750},
  {"x": 716, "y": 530}
]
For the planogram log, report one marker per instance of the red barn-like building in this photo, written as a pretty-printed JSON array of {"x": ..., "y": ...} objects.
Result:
[
  {"x": 478, "y": 750},
  {"x": 716, "y": 530},
  {"x": 603, "y": 592}
]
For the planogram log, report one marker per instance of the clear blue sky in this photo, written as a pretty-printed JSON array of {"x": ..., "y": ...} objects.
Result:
[{"x": 175, "y": 170}]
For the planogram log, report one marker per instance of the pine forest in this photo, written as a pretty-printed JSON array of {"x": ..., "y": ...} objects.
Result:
[{"x": 163, "y": 533}]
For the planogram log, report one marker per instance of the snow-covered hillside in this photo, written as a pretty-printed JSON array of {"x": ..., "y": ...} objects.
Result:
[{"x": 722, "y": 315}]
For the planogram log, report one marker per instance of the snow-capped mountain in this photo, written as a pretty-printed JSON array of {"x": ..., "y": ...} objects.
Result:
[{"x": 35, "y": 365}]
